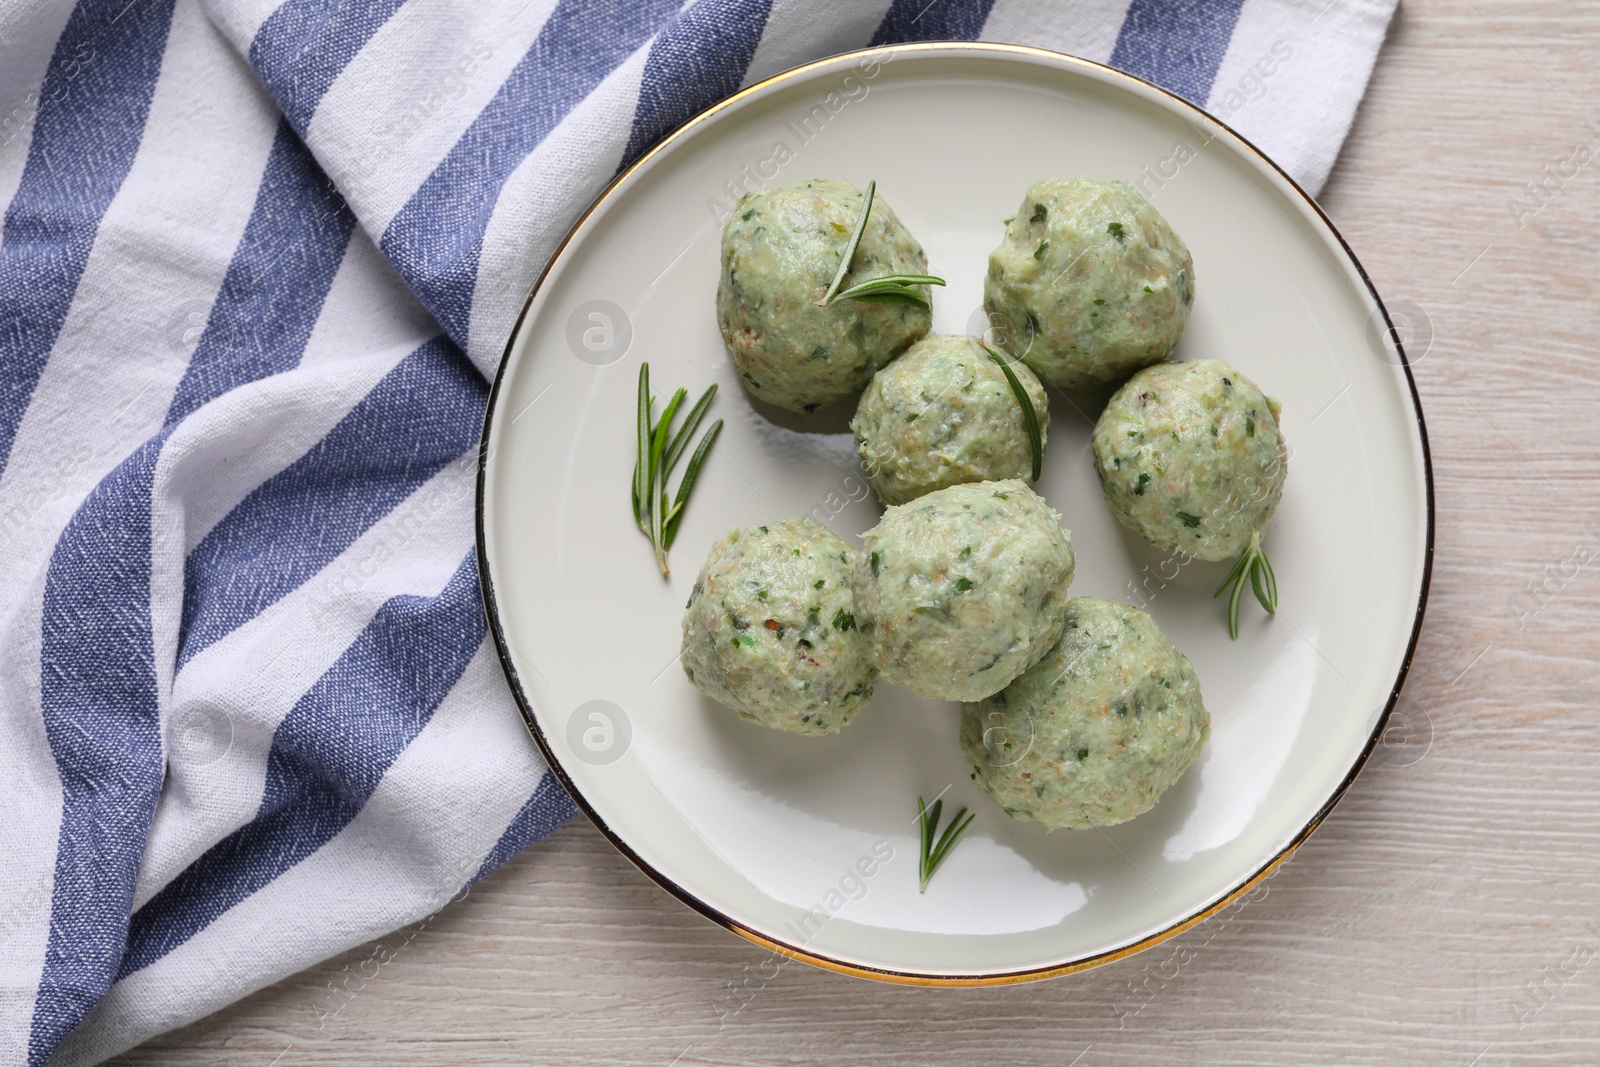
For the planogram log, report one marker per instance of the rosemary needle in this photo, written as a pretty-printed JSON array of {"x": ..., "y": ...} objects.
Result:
[
  {"x": 850, "y": 245},
  {"x": 659, "y": 450},
  {"x": 885, "y": 288},
  {"x": 1255, "y": 566},
  {"x": 934, "y": 852},
  {"x": 1030, "y": 417},
  {"x": 641, "y": 487}
]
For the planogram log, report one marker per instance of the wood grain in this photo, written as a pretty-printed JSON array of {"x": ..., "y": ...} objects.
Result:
[{"x": 1434, "y": 917}]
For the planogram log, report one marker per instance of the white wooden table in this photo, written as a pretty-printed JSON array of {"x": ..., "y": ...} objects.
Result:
[{"x": 1449, "y": 910}]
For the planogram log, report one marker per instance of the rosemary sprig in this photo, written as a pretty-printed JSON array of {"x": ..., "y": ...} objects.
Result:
[
  {"x": 659, "y": 452},
  {"x": 1253, "y": 563},
  {"x": 885, "y": 288},
  {"x": 934, "y": 853},
  {"x": 892, "y": 289},
  {"x": 1030, "y": 417}
]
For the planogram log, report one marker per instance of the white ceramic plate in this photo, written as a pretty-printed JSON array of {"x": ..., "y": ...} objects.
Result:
[{"x": 810, "y": 845}]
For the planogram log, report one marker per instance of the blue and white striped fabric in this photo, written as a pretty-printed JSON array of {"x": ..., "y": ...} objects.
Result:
[{"x": 257, "y": 260}]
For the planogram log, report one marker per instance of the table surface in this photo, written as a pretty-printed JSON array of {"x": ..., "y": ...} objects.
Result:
[{"x": 1447, "y": 912}]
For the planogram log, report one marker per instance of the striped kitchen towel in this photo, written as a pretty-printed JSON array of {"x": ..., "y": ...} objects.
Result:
[{"x": 258, "y": 258}]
